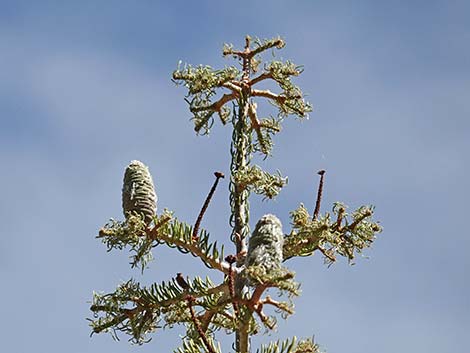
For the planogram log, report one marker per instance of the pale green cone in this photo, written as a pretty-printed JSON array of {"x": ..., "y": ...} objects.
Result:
[
  {"x": 265, "y": 245},
  {"x": 138, "y": 193}
]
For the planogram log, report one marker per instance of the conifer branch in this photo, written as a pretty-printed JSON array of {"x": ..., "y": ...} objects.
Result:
[
  {"x": 203, "y": 78},
  {"x": 324, "y": 234},
  {"x": 198, "y": 249},
  {"x": 263, "y": 45},
  {"x": 149, "y": 304}
]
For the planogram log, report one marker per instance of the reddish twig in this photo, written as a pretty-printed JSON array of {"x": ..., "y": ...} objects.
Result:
[
  {"x": 339, "y": 219},
  {"x": 255, "y": 124},
  {"x": 255, "y": 298},
  {"x": 152, "y": 232},
  {"x": 218, "y": 175},
  {"x": 270, "y": 301},
  {"x": 190, "y": 299},
  {"x": 247, "y": 60},
  {"x": 319, "y": 195},
  {"x": 231, "y": 283},
  {"x": 263, "y": 76},
  {"x": 243, "y": 249},
  {"x": 268, "y": 94},
  {"x": 217, "y": 106},
  {"x": 264, "y": 319}
]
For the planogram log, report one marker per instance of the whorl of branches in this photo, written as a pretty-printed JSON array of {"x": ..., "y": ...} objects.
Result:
[{"x": 202, "y": 83}]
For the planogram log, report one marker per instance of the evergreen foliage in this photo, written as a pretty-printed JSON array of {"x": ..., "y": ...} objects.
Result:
[{"x": 237, "y": 304}]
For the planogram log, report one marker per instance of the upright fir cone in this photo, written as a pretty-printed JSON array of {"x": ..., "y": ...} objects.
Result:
[
  {"x": 138, "y": 193},
  {"x": 265, "y": 245}
]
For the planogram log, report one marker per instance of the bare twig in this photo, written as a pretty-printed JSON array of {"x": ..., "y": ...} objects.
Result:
[
  {"x": 255, "y": 298},
  {"x": 270, "y": 301},
  {"x": 255, "y": 304},
  {"x": 339, "y": 219},
  {"x": 218, "y": 175},
  {"x": 319, "y": 195},
  {"x": 255, "y": 124},
  {"x": 231, "y": 259},
  {"x": 190, "y": 299},
  {"x": 264, "y": 319}
]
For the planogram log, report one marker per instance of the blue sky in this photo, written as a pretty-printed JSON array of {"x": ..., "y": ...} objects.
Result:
[{"x": 85, "y": 88}]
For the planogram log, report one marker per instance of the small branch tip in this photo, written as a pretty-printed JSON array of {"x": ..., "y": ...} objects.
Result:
[{"x": 247, "y": 42}]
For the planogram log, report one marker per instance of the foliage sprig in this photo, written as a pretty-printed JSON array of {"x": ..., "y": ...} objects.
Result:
[
  {"x": 346, "y": 235},
  {"x": 290, "y": 346},
  {"x": 259, "y": 181},
  {"x": 129, "y": 233}
]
